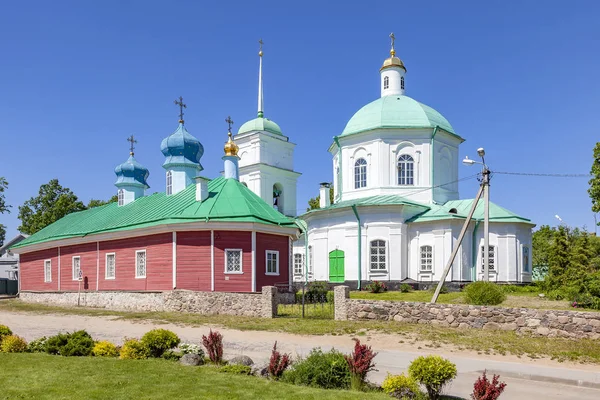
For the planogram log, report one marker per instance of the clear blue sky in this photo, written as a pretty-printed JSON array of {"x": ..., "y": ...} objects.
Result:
[{"x": 78, "y": 77}]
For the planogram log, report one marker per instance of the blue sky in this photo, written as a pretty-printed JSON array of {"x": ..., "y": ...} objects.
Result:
[{"x": 77, "y": 78}]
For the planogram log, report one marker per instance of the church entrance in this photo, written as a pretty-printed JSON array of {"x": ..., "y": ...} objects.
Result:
[{"x": 336, "y": 266}]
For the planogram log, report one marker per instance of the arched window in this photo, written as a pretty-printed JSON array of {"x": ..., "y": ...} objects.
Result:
[
  {"x": 426, "y": 258},
  {"x": 406, "y": 170},
  {"x": 169, "y": 182},
  {"x": 360, "y": 173},
  {"x": 386, "y": 82},
  {"x": 378, "y": 255},
  {"x": 120, "y": 197},
  {"x": 278, "y": 197},
  {"x": 402, "y": 82}
]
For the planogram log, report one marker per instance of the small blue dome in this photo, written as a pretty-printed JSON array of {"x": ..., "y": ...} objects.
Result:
[
  {"x": 182, "y": 149},
  {"x": 131, "y": 173}
]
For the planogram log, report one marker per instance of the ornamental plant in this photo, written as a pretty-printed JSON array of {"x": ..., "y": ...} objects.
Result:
[
  {"x": 376, "y": 287},
  {"x": 323, "y": 370},
  {"x": 4, "y": 331},
  {"x": 401, "y": 387},
  {"x": 360, "y": 363},
  {"x": 483, "y": 389},
  {"x": 214, "y": 346},
  {"x": 37, "y": 345},
  {"x": 160, "y": 340},
  {"x": 278, "y": 363},
  {"x": 105, "y": 348},
  {"x": 78, "y": 343},
  {"x": 236, "y": 369},
  {"x": 134, "y": 349},
  {"x": 13, "y": 344},
  {"x": 484, "y": 293},
  {"x": 190, "y": 348},
  {"x": 433, "y": 372}
]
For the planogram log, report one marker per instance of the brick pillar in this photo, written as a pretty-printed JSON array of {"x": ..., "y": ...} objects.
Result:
[
  {"x": 269, "y": 302},
  {"x": 341, "y": 294}
]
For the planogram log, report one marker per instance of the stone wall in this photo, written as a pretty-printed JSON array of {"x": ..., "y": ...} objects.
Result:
[
  {"x": 244, "y": 304},
  {"x": 549, "y": 323}
]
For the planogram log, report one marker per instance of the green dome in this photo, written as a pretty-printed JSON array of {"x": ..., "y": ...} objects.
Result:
[
  {"x": 396, "y": 111},
  {"x": 260, "y": 124}
]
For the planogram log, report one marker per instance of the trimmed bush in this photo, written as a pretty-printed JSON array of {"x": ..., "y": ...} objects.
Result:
[
  {"x": 484, "y": 293},
  {"x": 360, "y": 363},
  {"x": 160, "y": 340},
  {"x": 278, "y": 363},
  {"x": 134, "y": 349},
  {"x": 4, "y": 331},
  {"x": 433, "y": 372},
  {"x": 236, "y": 369},
  {"x": 324, "y": 370},
  {"x": 74, "y": 344},
  {"x": 13, "y": 344},
  {"x": 37, "y": 345},
  {"x": 105, "y": 348},
  {"x": 214, "y": 346},
  {"x": 405, "y": 288},
  {"x": 483, "y": 389},
  {"x": 402, "y": 387}
]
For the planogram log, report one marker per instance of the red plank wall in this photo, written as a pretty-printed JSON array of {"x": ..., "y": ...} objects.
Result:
[
  {"x": 266, "y": 242},
  {"x": 233, "y": 282},
  {"x": 87, "y": 262},
  {"x": 193, "y": 261},
  {"x": 32, "y": 270}
]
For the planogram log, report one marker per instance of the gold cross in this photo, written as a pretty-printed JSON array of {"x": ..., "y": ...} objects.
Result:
[
  {"x": 131, "y": 140},
  {"x": 260, "y": 53},
  {"x": 181, "y": 107},
  {"x": 229, "y": 122}
]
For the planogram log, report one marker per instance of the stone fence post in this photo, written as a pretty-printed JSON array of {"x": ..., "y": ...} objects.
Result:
[
  {"x": 341, "y": 294},
  {"x": 269, "y": 302}
]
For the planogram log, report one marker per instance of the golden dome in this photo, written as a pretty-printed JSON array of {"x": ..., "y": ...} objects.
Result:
[
  {"x": 393, "y": 61},
  {"x": 231, "y": 149}
]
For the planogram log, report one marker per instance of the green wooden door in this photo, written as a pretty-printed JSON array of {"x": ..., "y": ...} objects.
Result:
[{"x": 336, "y": 266}]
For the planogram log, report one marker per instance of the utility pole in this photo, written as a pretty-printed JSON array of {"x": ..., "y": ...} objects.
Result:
[{"x": 486, "y": 222}]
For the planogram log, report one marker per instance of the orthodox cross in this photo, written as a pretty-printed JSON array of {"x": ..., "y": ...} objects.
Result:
[
  {"x": 181, "y": 107},
  {"x": 393, "y": 37},
  {"x": 229, "y": 122},
  {"x": 261, "y": 44},
  {"x": 132, "y": 141}
]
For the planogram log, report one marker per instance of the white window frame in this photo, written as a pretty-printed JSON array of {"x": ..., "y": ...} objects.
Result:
[
  {"x": 106, "y": 276},
  {"x": 76, "y": 271},
  {"x": 493, "y": 249},
  {"x": 298, "y": 264},
  {"x": 412, "y": 170},
  {"x": 138, "y": 276},
  {"x": 421, "y": 269},
  {"x": 241, "y": 271},
  {"x": 385, "y": 248},
  {"x": 272, "y": 252},
  {"x": 121, "y": 197},
  {"x": 169, "y": 183},
  {"x": 48, "y": 270},
  {"x": 360, "y": 173},
  {"x": 386, "y": 82}
]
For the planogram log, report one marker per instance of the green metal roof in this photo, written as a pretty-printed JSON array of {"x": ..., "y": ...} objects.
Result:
[
  {"x": 396, "y": 111},
  {"x": 260, "y": 124},
  {"x": 442, "y": 212},
  {"x": 380, "y": 200},
  {"x": 228, "y": 201}
]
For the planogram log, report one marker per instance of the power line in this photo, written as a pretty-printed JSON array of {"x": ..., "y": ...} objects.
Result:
[{"x": 547, "y": 175}]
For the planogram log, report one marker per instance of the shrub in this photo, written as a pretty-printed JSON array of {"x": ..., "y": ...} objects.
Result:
[
  {"x": 376, "y": 287},
  {"x": 443, "y": 290},
  {"x": 13, "y": 344},
  {"x": 134, "y": 349},
  {"x": 433, "y": 372},
  {"x": 160, "y": 340},
  {"x": 360, "y": 363},
  {"x": 483, "y": 389},
  {"x": 37, "y": 345},
  {"x": 78, "y": 343},
  {"x": 214, "y": 346},
  {"x": 405, "y": 288},
  {"x": 278, "y": 363},
  {"x": 173, "y": 355},
  {"x": 105, "y": 348},
  {"x": 236, "y": 369},
  {"x": 401, "y": 387},
  {"x": 325, "y": 370},
  {"x": 189, "y": 348},
  {"x": 4, "y": 331},
  {"x": 484, "y": 293}
]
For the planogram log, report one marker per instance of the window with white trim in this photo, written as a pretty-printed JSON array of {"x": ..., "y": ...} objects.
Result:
[
  {"x": 360, "y": 173},
  {"x": 491, "y": 258},
  {"x": 386, "y": 82},
  {"x": 311, "y": 260},
  {"x": 121, "y": 197},
  {"x": 110, "y": 266},
  {"x": 426, "y": 258},
  {"x": 298, "y": 264},
  {"x": 272, "y": 257},
  {"x": 526, "y": 259},
  {"x": 406, "y": 170},
  {"x": 169, "y": 182},
  {"x": 402, "y": 83},
  {"x": 48, "y": 271},
  {"x": 76, "y": 267},
  {"x": 378, "y": 255},
  {"x": 233, "y": 261},
  {"x": 140, "y": 264}
]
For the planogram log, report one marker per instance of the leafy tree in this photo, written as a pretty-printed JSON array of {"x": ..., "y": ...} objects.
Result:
[
  {"x": 4, "y": 208},
  {"x": 97, "y": 203},
  {"x": 542, "y": 241},
  {"x": 594, "y": 189},
  {"x": 313, "y": 204},
  {"x": 2, "y": 234},
  {"x": 51, "y": 204},
  {"x": 559, "y": 259}
]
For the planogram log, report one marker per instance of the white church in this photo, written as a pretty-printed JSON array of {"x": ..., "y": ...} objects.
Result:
[{"x": 397, "y": 214}]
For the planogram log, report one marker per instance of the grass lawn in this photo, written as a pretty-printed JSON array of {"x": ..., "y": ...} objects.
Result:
[{"x": 41, "y": 376}]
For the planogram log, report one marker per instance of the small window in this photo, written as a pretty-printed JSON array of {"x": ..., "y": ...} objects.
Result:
[
  {"x": 402, "y": 83},
  {"x": 360, "y": 173},
  {"x": 76, "y": 267},
  {"x": 386, "y": 82},
  {"x": 110, "y": 266},
  {"x": 140, "y": 264},
  {"x": 272, "y": 262},
  {"x": 120, "y": 197},
  {"x": 378, "y": 255},
  {"x": 491, "y": 256},
  {"x": 298, "y": 264},
  {"x": 311, "y": 260},
  {"x": 233, "y": 261},
  {"x": 406, "y": 169},
  {"x": 48, "y": 271},
  {"x": 526, "y": 259},
  {"x": 169, "y": 182},
  {"x": 426, "y": 258}
]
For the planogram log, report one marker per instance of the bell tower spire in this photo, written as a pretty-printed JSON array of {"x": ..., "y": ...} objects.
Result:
[{"x": 260, "y": 84}]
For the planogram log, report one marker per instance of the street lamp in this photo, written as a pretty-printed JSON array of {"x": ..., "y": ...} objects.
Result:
[{"x": 486, "y": 209}]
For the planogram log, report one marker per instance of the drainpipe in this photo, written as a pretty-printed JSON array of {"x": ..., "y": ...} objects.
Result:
[
  {"x": 359, "y": 246},
  {"x": 474, "y": 253},
  {"x": 432, "y": 159},
  {"x": 340, "y": 181}
]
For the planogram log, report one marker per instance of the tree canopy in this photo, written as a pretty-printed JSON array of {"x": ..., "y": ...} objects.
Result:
[
  {"x": 97, "y": 203},
  {"x": 4, "y": 208},
  {"x": 594, "y": 189},
  {"x": 313, "y": 203}
]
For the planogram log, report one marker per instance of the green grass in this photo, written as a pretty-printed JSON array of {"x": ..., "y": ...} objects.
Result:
[
  {"x": 417, "y": 295},
  {"x": 41, "y": 376},
  {"x": 312, "y": 311}
]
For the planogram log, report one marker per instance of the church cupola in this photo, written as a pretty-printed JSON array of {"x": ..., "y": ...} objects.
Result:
[
  {"x": 392, "y": 73},
  {"x": 131, "y": 178},
  {"x": 230, "y": 159},
  {"x": 182, "y": 154}
]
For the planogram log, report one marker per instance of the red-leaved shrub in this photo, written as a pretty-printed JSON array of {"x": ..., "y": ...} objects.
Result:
[
  {"x": 214, "y": 346},
  {"x": 360, "y": 362},
  {"x": 278, "y": 363},
  {"x": 483, "y": 389}
]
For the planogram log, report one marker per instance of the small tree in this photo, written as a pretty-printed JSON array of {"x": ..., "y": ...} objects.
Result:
[
  {"x": 360, "y": 363},
  {"x": 278, "y": 363},
  {"x": 314, "y": 203},
  {"x": 594, "y": 190},
  {"x": 483, "y": 389},
  {"x": 214, "y": 346}
]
